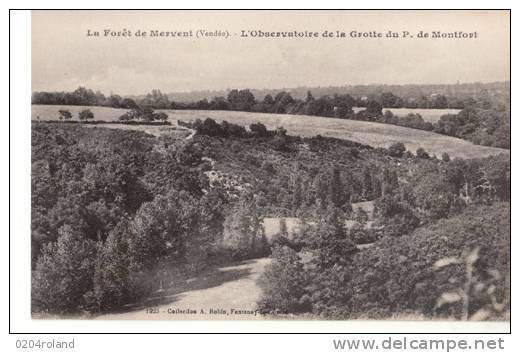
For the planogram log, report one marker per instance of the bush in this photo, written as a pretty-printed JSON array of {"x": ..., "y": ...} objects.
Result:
[
  {"x": 396, "y": 149},
  {"x": 162, "y": 116},
  {"x": 258, "y": 130},
  {"x": 64, "y": 114},
  {"x": 280, "y": 143},
  {"x": 86, "y": 115},
  {"x": 127, "y": 116},
  {"x": 421, "y": 153}
]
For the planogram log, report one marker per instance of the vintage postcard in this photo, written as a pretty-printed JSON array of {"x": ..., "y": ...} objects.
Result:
[{"x": 271, "y": 165}]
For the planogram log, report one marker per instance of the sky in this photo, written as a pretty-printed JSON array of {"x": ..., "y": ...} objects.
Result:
[{"x": 64, "y": 57}]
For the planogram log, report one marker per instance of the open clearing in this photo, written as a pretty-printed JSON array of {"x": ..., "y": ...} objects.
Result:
[
  {"x": 373, "y": 134},
  {"x": 227, "y": 288}
]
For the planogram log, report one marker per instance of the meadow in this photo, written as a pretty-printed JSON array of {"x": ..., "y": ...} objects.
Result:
[{"x": 370, "y": 133}]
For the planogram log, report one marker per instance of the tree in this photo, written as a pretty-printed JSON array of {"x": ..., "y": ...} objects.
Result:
[
  {"x": 337, "y": 193},
  {"x": 440, "y": 102},
  {"x": 127, "y": 116},
  {"x": 114, "y": 262},
  {"x": 374, "y": 108},
  {"x": 243, "y": 228},
  {"x": 445, "y": 157},
  {"x": 283, "y": 284},
  {"x": 210, "y": 228},
  {"x": 128, "y": 103},
  {"x": 163, "y": 226},
  {"x": 83, "y": 96},
  {"x": 360, "y": 215},
  {"x": 64, "y": 114},
  {"x": 389, "y": 100},
  {"x": 145, "y": 113},
  {"x": 242, "y": 100},
  {"x": 309, "y": 97},
  {"x": 390, "y": 181},
  {"x": 282, "y": 101},
  {"x": 329, "y": 241},
  {"x": 156, "y": 99},
  {"x": 162, "y": 116},
  {"x": 268, "y": 100},
  {"x": 395, "y": 216},
  {"x": 283, "y": 232},
  {"x": 63, "y": 273},
  {"x": 435, "y": 198},
  {"x": 367, "y": 184},
  {"x": 114, "y": 101},
  {"x": 396, "y": 149},
  {"x": 86, "y": 115},
  {"x": 219, "y": 103}
]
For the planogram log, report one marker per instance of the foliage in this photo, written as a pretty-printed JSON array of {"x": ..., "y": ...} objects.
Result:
[
  {"x": 396, "y": 149},
  {"x": 401, "y": 277},
  {"x": 244, "y": 232},
  {"x": 146, "y": 209},
  {"x": 85, "y": 115},
  {"x": 64, "y": 115},
  {"x": 105, "y": 187},
  {"x": 63, "y": 272},
  {"x": 396, "y": 275},
  {"x": 283, "y": 284}
]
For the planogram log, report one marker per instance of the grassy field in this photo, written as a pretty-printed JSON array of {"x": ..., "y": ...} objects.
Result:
[
  {"x": 431, "y": 115},
  {"x": 50, "y": 112},
  {"x": 373, "y": 134}
]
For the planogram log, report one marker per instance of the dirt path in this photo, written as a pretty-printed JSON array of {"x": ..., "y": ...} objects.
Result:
[
  {"x": 226, "y": 293},
  {"x": 191, "y": 131}
]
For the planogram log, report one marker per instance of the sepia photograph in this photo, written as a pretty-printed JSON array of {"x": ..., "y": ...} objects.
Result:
[{"x": 270, "y": 165}]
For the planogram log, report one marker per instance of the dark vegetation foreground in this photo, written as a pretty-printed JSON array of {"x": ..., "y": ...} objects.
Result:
[{"x": 118, "y": 215}]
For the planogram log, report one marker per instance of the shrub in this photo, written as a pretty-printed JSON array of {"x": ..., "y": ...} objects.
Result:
[
  {"x": 396, "y": 149},
  {"x": 86, "y": 115},
  {"x": 127, "y": 116},
  {"x": 280, "y": 143},
  {"x": 64, "y": 114},
  {"x": 421, "y": 153},
  {"x": 162, "y": 116},
  {"x": 258, "y": 130}
]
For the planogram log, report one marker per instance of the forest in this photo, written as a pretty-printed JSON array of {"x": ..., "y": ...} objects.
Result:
[{"x": 116, "y": 213}]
